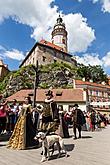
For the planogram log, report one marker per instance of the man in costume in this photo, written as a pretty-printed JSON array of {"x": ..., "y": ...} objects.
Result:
[
  {"x": 50, "y": 115},
  {"x": 78, "y": 120}
]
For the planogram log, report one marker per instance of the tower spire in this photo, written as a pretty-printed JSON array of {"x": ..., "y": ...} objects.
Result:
[{"x": 59, "y": 19}]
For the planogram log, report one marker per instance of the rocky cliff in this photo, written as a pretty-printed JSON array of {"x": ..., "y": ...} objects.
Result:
[{"x": 53, "y": 75}]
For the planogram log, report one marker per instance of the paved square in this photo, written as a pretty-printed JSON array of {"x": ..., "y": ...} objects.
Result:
[{"x": 92, "y": 149}]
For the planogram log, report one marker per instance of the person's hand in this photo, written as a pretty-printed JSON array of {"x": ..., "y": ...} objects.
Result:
[
  {"x": 55, "y": 119},
  {"x": 33, "y": 109}
]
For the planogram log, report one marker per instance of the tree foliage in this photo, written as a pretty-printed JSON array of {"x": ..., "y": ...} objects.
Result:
[{"x": 94, "y": 73}]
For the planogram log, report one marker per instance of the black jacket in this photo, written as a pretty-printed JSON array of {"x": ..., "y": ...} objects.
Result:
[{"x": 78, "y": 117}]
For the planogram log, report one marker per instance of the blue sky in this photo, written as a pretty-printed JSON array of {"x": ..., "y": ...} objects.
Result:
[{"x": 24, "y": 22}]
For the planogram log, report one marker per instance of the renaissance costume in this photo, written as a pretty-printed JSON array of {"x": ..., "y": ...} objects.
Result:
[
  {"x": 78, "y": 120},
  {"x": 24, "y": 132},
  {"x": 63, "y": 125},
  {"x": 50, "y": 116}
]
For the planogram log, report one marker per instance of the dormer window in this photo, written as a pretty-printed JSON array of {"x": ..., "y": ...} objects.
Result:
[
  {"x": 58, "y": 93},
  {"x": 63, "y": 41}
]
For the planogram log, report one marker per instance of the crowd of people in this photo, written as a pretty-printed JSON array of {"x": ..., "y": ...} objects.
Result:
[
  {"x": 22, "y": 121},
  {"x": 8, "y": 116},
  {"x": 95, "y": 120}
]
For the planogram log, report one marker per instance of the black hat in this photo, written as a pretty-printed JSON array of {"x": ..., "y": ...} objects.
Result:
[
  {"x": 75, "y": 105},
  {"x": 48, "y": 93}
]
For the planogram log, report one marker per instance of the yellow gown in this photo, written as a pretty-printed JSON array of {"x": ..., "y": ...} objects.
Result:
[{"x": 18, "y": 137}]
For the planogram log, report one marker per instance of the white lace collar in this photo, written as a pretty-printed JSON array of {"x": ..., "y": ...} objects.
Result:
[{"x": 47, "y": 101}]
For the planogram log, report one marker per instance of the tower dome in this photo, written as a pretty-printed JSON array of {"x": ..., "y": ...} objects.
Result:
[{"x": 59, "y": 34}]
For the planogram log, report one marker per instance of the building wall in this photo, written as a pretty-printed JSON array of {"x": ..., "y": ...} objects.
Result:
[
  {"x": 61, "y": 41},
  {"x": 45, "y": 56},
  {"x": 97, "y": 94},
  {"x": 66, "y": 106},
  {"x": 3, "y": 72},
  {"x": 0, "y": 71}
]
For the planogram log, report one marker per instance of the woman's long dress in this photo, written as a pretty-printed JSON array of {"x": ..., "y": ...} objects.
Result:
[
  {"x": 24, "y": 132},
  {"x": 63, "y": 127}
]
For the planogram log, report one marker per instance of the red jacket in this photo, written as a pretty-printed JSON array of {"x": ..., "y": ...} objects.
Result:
[{"x": 2, "y": 111}]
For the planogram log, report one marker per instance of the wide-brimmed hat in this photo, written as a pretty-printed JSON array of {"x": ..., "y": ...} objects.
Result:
[
  {"x": 75, "y": 105},
  {"x": 49, "y": 93}
]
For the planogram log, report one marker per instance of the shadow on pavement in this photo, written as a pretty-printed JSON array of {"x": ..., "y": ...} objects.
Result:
[
  {"x": 36, "y": 145},
  {"x": 55, "y": 156},
  {"x": 1, "y": 145},
  {"x": 86, "y": 137},
  {"x": 4, "y": 137},
  {"x": 69, "y": 147}
]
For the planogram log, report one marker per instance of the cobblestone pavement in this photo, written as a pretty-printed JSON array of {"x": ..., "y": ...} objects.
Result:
[{"x": 92, "y": 149}]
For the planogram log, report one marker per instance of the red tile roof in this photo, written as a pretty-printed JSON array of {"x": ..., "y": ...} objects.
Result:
[
  {"x": 51, "y": 45},
  {"x": 68, "y": 95},
  {"x": 80, "y": 82}
]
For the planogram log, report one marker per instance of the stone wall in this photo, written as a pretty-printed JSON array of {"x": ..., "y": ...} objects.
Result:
[
  {"x": 3, "y": 72},
  {"x": 46, "y": 55}
]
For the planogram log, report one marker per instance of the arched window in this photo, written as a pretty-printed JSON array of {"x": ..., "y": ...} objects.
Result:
[{"x": 63, "y": 41}]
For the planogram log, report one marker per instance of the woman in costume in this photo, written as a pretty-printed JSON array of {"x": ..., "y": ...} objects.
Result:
[
  {"x": 63, "y": 127},
  {"x": 24, "y": 131}
]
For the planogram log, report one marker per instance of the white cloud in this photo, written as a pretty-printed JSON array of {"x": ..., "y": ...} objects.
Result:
[
  {"x": 80, "y": 35},
  {"x": 27, "y": 12},
  {"x": 13, "y": 54},
  {"x": 106, "y": 60},
  {"x": 41, "y": 16},
  {"x": 92, "y": 59},
  {"x": 1, "y": 56},
  {"x": 105, "y": 5},
  {"x": 37, "y": 14},
  {"x": 94, "y": 1}
]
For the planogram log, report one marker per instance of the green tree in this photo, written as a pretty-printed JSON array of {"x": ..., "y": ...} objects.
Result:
[
  {"x": 83, "y": 72},
  {"x": 98, "y": 74},
  {"x": 94, "y": 73}
]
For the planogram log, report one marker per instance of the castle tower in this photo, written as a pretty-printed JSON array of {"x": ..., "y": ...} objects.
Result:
[{"x": 59, "y": 34}]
